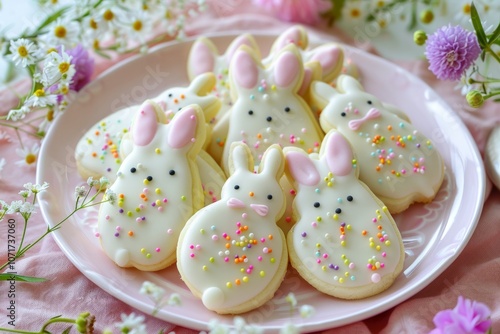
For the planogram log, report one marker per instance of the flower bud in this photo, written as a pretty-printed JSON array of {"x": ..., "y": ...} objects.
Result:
[
  {"x": 475, "y": 98},
  {"x": 419, "y": 37},
  {"x": 427, "y": 16}
]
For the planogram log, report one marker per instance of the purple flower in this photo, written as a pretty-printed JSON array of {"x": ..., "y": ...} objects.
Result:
[
  {"x": 84, "y": 66},
  {"x": 467, "y": 317},
  {"x": 451, "y": 51}
]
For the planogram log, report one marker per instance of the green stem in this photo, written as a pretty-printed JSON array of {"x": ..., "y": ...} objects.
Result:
[
  {"x": 42, "y": 330},
  {"x": 26, "y": 219},
  {"x": 492, "y": 53},
  {"x": 17, "y": 128},
  {"x": 487, "y": 96}
]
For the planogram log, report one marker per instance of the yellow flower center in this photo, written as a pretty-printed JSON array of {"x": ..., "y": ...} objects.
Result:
[
  {"x": 50, "y": 115},
  {"x": 23, "y": 52},
  {"x": 39, "y": 92},
  {"x": 168, "y": 14},
  {"x": 51, "y": 50},
  {"x": 30, "y": 158},
  {"x": 466, "y": 8},
  {"x": 137, "y": 25},
  {"x": 54, "y": 2},
  {"x": 60, "y": 32},
  {"x": 380, "y": 3},
  {"x": 93, "y": 24},
  {"x": 382, "y": 23},
  {"x": 355, "y": 12},
  {"x": 64, "y": 90},
  {"x": 108, "y": 15},
  {"x": 64, "y": 67}
]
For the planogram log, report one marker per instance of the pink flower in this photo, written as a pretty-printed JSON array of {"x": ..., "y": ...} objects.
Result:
[
  {"x": 84, "y": 66},
  {"x": 468, "y": 316},
  {"x": 451, "y": 51},
  {"x": 300, "y": 11}
]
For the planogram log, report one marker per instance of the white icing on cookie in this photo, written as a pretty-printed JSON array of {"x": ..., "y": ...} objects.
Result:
[
  {"x": 158, "y": 189},
  {"x": 267, "y": 109},
  {"x": 205, "y": 57},
  {"x": 345, "y": 242},
  {"x": 103, "y": 147},
  {"x": 231, "y": 254},
  {"x": 397, "y": 162}
]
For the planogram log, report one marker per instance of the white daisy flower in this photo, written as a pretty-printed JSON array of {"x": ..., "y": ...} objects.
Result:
[
  {"x": 58, "y": 67},
  {"x": 132, "y": 324},
  {"x": 29, "y": 155},
  {"x": 62, "y": 32},
  {"x": 18, "y": 114},
  {"x": 353, "y": 11},
  {"x": 23, "y": 52},
  {"x": 291, "y": 299},
  {"x": 41, "y": 99},
  {"x": 138, "y": 26},
  {"x": 109, "y": 16}
]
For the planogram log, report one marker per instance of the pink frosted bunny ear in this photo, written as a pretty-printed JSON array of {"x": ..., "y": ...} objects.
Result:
[
  {"x": 301, "y": 168},
  {"x": 288, "y": 69},
  {"x": 244, "y": 68},
  {"x": 245, "y": 39},
  {"x": 293, "y": 35},
  {"x": 183, "y": 127},
  {"x": 145, "y": 124},
  {"x": 338, "y": 154},
  {"x": 331, "y": 59},
  {"x": 201, "y": 57}
]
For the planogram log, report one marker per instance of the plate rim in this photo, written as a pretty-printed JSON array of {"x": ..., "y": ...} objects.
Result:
[{"x": 376, "y": 309}]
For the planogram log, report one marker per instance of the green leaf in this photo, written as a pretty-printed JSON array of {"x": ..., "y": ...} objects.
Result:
[
  {"x": 478, "y": 27},
  {"x": 21, "y": 278},
  {"x": 494, "y": 35}
]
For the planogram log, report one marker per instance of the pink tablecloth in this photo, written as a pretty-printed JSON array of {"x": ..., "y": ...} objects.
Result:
[{"x": 68, "y": 292}]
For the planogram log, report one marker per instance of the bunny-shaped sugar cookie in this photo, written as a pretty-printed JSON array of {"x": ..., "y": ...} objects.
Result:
[
  {"x": 267, "y": 109},
  {"x": 345, "y": 242},
  {"x": 158, "y": 188},
  {"x": 399, "y": 164},
  {"x": 231, "y": 253}
]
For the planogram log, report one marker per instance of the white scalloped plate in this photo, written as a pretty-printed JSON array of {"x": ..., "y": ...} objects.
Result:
[{"x": 434, "y": 234}]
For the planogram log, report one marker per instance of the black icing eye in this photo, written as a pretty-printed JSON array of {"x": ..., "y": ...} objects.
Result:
[
  {"x": 287, "y": 109},
  {"x": 343, "y": 114},
  {"x": 369, "y": 102},
  {"x": 269, "y": 196},
  {"x": 250, "y": 112},
  {"x": 338, "y": 210},
  {"x": 133, "y": 170},
  {"x": 316, "y": 204},
  {"x": 350, "y": 198},
  {"x": 269, "y": 118},
  {"x": 179, "y": 109},
  {"x": 171, "y": 172},
  {"x": 170, "y": 95},
  {"x": 149, "y": 178},
  {"x": 236, "y": 187}
]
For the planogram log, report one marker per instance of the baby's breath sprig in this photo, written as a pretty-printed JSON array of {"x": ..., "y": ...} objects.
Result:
[{"x": 26, "y": 208}]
